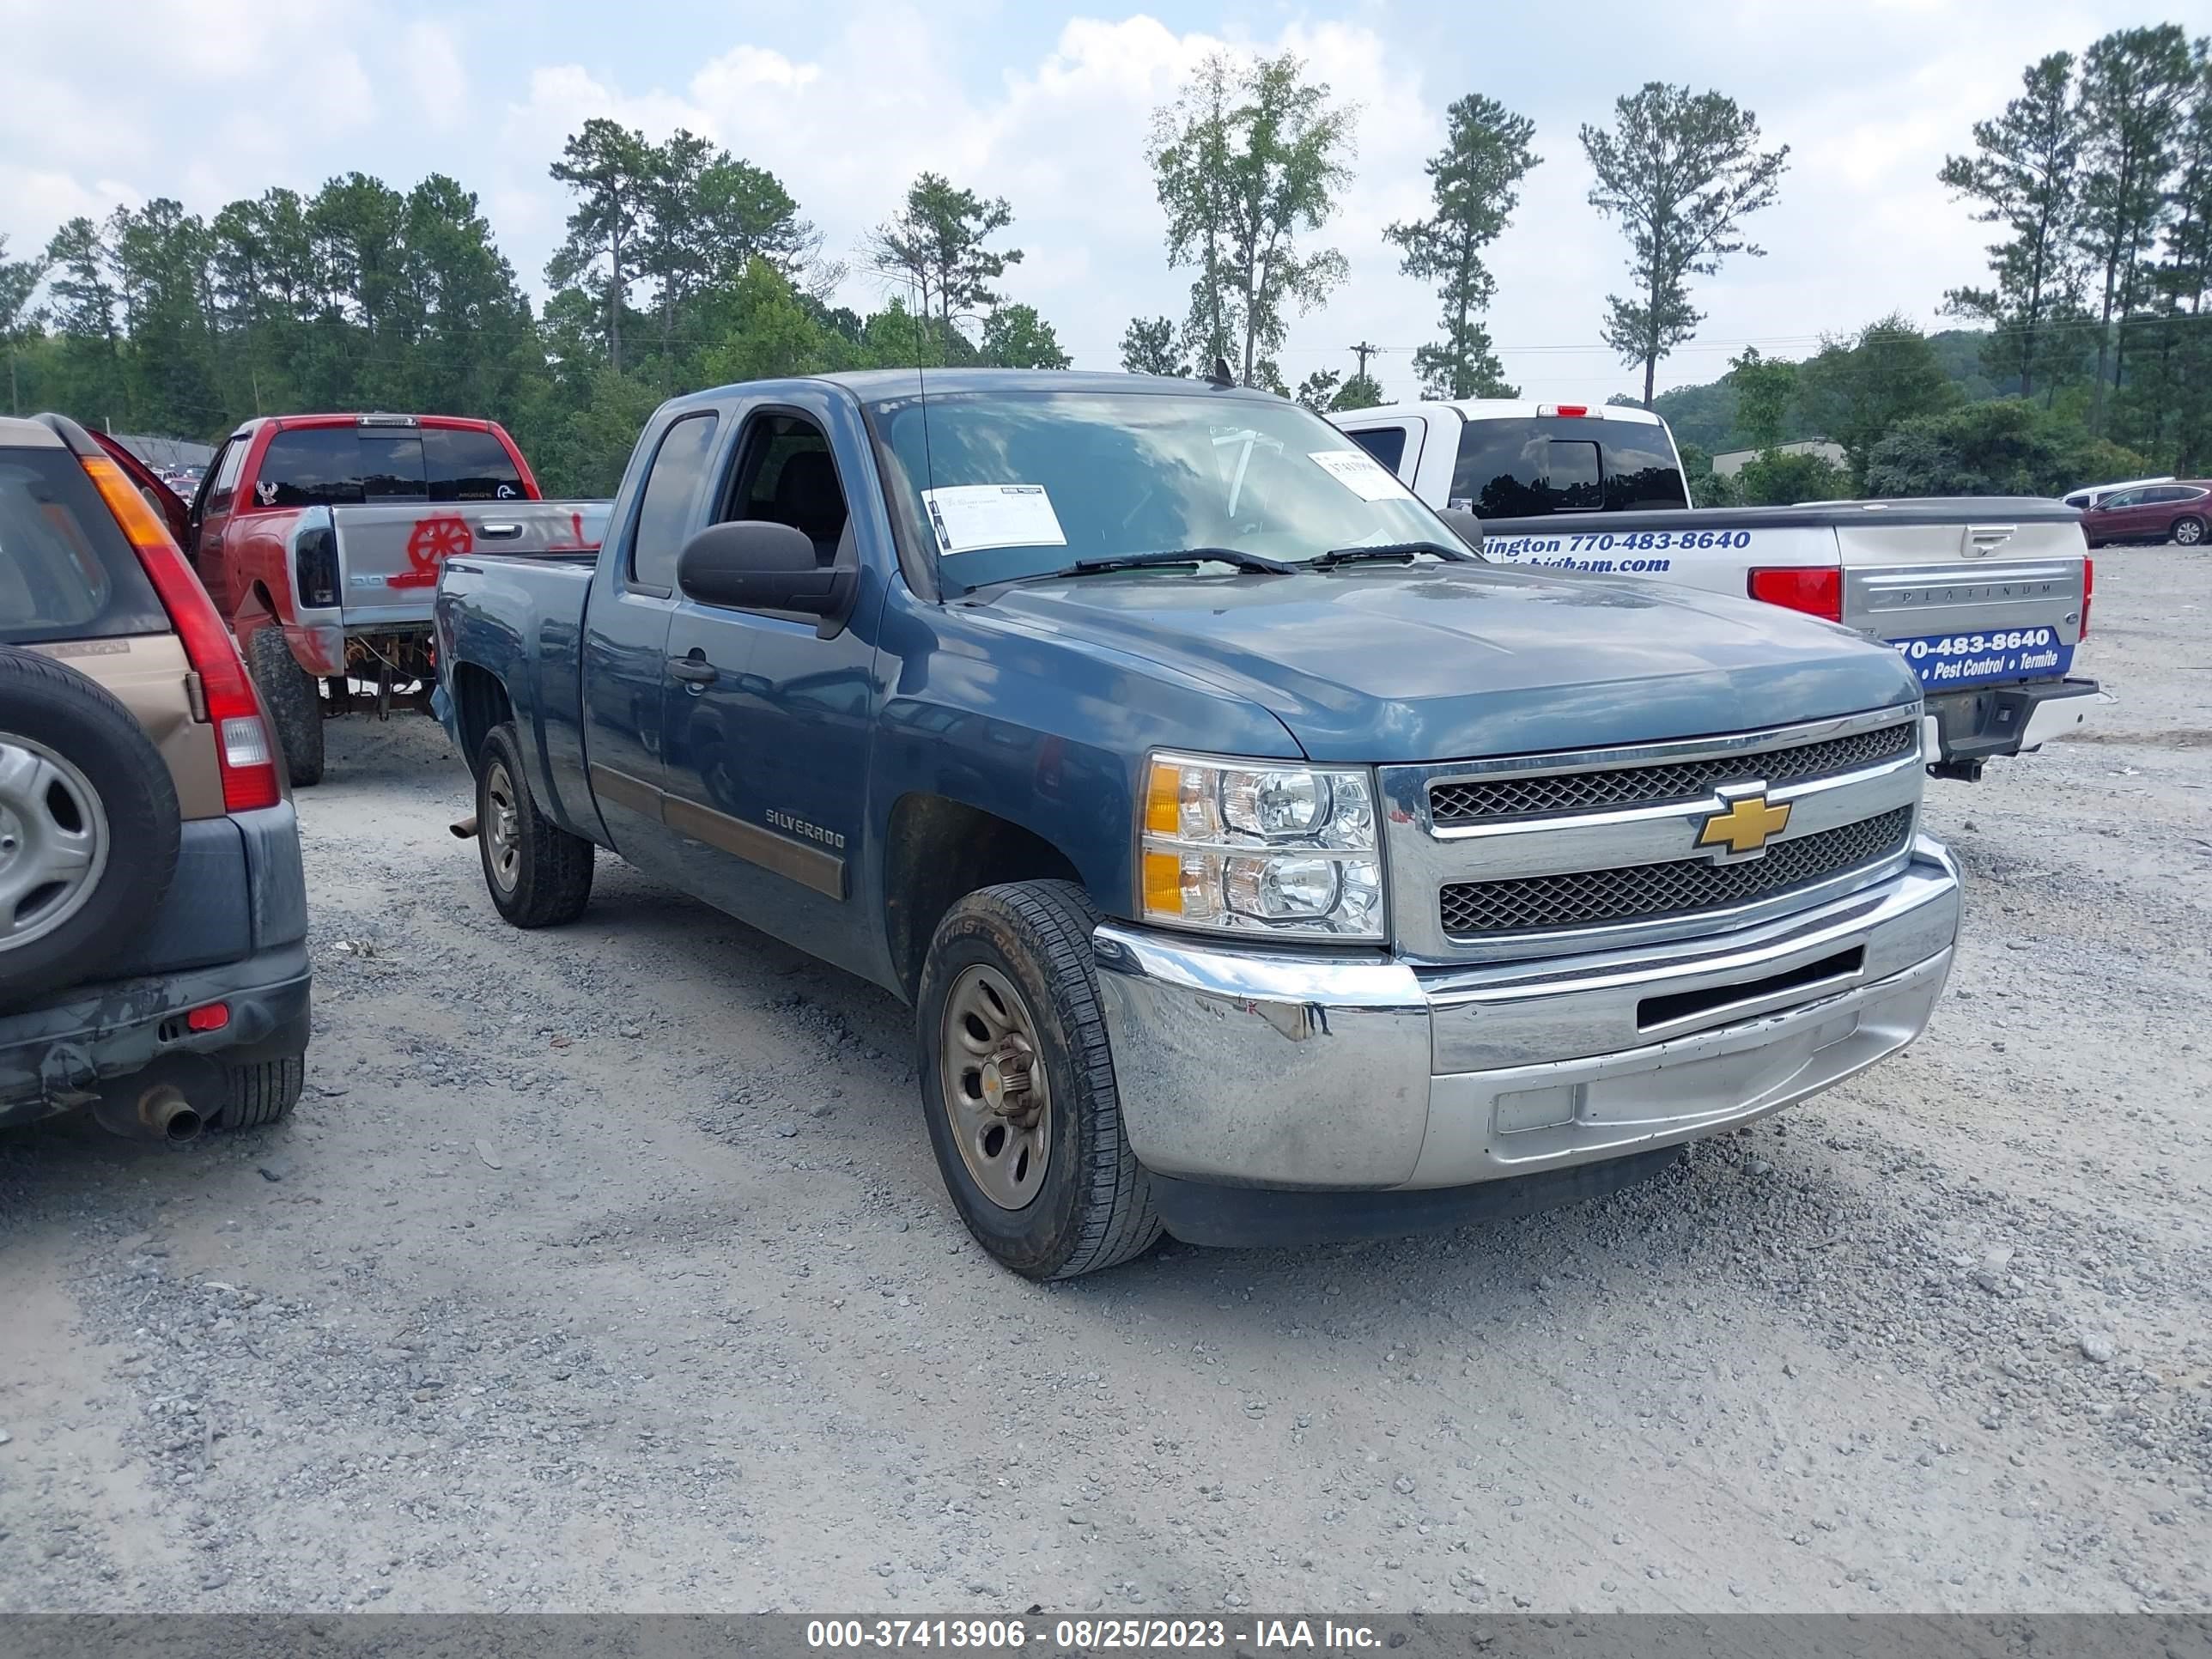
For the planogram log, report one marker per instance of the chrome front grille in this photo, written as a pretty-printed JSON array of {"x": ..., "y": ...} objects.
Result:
[
  {"x": 1470, "y": 800},
  {"x": 1524, "y": 856},
  {"x": 1649, "y": 892}
]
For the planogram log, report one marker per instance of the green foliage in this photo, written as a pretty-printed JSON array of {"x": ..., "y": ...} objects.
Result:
[
  {"x": 2136, "y": 88},
  {"x": 1015, "y": 336},
  {"x": 1148, "y": 347},
  {"x": 1359, "y": 391},
  {"x": 1778, "y": 477},
  {"x": 1679, "y": 171},
  {"x": 683, "y": 266},
  {"x": 1855, "y": 389},
  {"x": 2006, "y": 446},
  {"x": 1707, "y": 487},
  {"x": 2025, "y": 176},
  {"x": 1474, "y": 184},
  {"x": 611, "y": 170},
  {"x": 1317, "y": 391},
  {"x": 1765, "y": 388},
  {"x": 19, "y": 283},
  {"x": 936, "y": 247},
  {"x": 1248, "y": 157}
]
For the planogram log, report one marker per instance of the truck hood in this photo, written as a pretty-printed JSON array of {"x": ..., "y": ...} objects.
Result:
[{"x": 1383, "y": 664}]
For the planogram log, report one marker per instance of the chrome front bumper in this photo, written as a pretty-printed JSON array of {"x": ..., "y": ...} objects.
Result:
[{"x": 1266, "y": 1068}]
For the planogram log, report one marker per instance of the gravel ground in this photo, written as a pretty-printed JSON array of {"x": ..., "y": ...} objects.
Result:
[{"x": 607, "y": 1269}]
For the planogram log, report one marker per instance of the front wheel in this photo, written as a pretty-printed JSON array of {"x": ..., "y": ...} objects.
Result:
[
  {"x": 2189, "y": 532},
  {"x": 540, "y": 875},
  {"x": 1017, "y": 1083}
]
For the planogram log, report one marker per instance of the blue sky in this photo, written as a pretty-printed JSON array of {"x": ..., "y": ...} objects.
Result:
[{"x": 207, "y": 99}]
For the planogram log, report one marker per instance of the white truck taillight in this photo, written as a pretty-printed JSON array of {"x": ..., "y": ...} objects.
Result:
[
  {"x": 1573, "y": 411},
  {"x": 1816, "y": 590}
]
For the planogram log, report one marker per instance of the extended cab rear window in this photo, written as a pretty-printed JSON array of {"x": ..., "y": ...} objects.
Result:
[
  {"x": 1525, "y": 469},
  {"x": 343, "y": 466},
  {"x": 66, "y": 572},
  {"x": 463, "y": 465},
  {"x": 313, "y": 466}
]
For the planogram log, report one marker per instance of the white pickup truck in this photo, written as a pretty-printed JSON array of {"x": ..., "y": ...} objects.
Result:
[{"x": 1986, "y": 597}]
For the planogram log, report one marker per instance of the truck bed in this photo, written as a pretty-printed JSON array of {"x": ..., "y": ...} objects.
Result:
[
  {"x": 518, "y": 619},
  {"x": 1972, "y": 591},
  {"x": 388, "y": 556}
]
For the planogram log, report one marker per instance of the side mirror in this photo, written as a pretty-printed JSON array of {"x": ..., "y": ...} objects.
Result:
[
  {"x": 754, "y": 564},
  {"x": 1465, "y": 526}
]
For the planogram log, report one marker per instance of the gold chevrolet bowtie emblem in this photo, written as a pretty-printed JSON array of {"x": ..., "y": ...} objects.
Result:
[{"x": 1745, "y": 827}]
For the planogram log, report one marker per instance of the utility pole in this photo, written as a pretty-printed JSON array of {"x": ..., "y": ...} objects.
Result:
[{"x": 1364, "y": 351}]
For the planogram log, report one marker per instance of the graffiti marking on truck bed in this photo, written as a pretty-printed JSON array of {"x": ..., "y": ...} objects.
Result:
[{"x": 430, "y": 544}]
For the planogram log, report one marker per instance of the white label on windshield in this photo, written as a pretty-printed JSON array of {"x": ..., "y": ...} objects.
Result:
[
  {"x": 969, "y": 518},
  {"x": 1359, "y": 472}
]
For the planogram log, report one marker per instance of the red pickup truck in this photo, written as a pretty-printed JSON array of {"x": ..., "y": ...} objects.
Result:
[{"x": 319, "y": 538}]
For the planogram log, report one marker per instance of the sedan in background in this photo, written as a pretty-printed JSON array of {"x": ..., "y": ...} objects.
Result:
[{"x": 2179, "y": 512}]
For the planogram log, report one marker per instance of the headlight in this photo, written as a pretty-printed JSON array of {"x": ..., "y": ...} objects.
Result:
[{"x": 1246, "y": 847}]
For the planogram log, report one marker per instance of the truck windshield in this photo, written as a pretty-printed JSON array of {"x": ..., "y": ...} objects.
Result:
[{"x": 1010, "y": 484}]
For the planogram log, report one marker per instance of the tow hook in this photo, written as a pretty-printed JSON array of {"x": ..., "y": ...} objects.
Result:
[{"x": 466, "y": 829}]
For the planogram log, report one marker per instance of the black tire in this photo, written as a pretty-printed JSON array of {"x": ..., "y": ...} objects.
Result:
[
  {"x": 263, "y": 1093},
  {"x": 295, "y": 704},
  {"x": 58, "y": 710},
  {"x": 1093, "y": 1208},
  {"x": 2188, "y": 531},
  {"x": 548, "y": 879}
]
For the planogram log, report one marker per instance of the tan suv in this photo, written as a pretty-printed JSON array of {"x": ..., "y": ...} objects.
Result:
[{"x": 153, "y": 911}]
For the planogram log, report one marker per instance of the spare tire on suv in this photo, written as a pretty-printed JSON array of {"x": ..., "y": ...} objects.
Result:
[{"x": 88, "y": 826}]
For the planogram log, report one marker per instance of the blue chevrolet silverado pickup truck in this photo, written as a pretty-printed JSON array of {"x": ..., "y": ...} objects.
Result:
[{"x": 1260, "y": 864}]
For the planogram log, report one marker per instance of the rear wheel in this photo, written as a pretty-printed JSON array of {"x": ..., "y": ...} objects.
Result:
[
  {"x": 540, "y": 875},
  {"x": 295, "y": 704},
  {"x": 263, "y": 1093},
  {"x": 88, "y": 826},
  {"x": 2189, "y": 532},
  {"x": 1018, "y": 1084}
]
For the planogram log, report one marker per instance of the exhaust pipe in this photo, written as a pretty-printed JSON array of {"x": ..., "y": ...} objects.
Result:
[
  {"x": 166, "y": 1115},
  {"x": 159, "y": 1111},
  {"x": 466, "y": 829}
]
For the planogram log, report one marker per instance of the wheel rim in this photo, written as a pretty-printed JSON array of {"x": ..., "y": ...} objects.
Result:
[
  {"x": 2189, "y": 532},
  {"x": 53, "y": 841},
  {"x": 997, "y": 1096},
  {"x": 502, "y": 828}
]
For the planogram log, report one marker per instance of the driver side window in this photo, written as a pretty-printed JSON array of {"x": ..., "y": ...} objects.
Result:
[{"x": 786, "y": 475}]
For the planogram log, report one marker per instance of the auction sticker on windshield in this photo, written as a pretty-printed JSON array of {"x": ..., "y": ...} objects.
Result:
[
  {"x": 1359, "y": 472},
  {"x": 1946, "y": 660},
  {"x": 969, "y": 518}
]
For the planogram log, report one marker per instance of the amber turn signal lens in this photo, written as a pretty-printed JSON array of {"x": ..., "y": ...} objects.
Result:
[
  {"x": 1163, "y": 885},
  {"x": 1163, "y": 799}
]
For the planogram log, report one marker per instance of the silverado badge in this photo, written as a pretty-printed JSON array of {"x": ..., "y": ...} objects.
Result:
[{"x": 1743, "y": 825}]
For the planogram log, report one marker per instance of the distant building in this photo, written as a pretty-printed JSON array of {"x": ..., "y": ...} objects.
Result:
[{"x": 1732, "y": 462}]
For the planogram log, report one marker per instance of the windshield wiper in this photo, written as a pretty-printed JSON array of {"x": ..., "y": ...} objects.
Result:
[
  {"x": 1402, "y": 552},
  {"x": 1229, "y": 556}
]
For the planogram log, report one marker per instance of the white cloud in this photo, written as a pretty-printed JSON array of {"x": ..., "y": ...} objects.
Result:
[{"x": 434, "y": 70}]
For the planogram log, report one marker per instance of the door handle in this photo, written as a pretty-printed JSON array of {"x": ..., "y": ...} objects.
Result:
[
  {"x": 501, "y": 531},
  {"x": 693, "y": 671}
]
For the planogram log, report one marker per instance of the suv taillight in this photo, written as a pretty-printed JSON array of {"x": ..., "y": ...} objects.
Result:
[
  {"x": 2088, "y": 587},
  {"x": 247, "y": 757},
  {"x": 1816, "y": 590}
]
